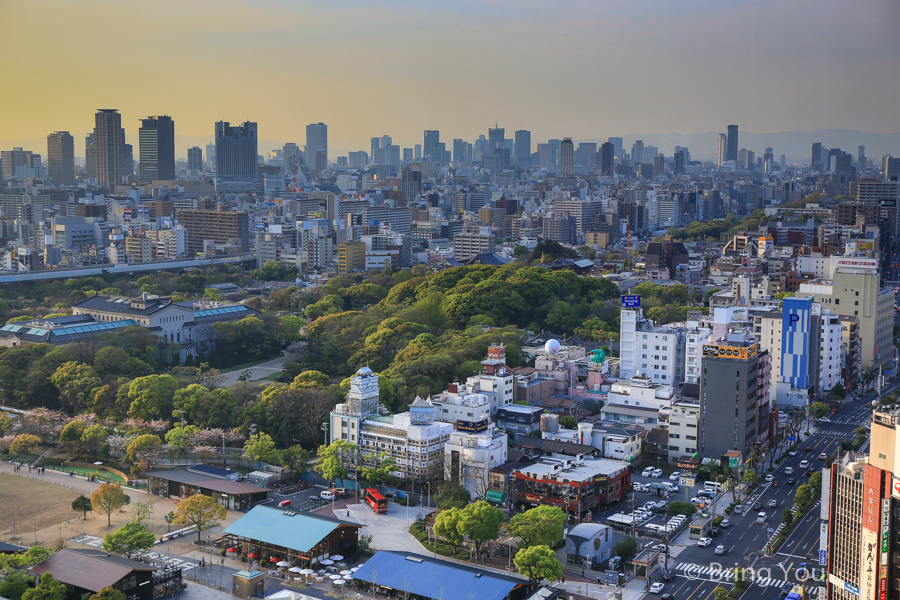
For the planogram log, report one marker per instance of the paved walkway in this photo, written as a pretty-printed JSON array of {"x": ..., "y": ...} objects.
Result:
[{"x": 259, "y": 371}]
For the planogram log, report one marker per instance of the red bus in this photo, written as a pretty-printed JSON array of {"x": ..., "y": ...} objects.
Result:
[{"x": 376, "y": 501}]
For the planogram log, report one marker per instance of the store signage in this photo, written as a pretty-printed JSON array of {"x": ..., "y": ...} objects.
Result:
[
  {"x": 631, "y": 301},
  {"x": 736, "y": 352},
  {"x": 895, "y": 487},
  {"x": 473, "y": 426}
]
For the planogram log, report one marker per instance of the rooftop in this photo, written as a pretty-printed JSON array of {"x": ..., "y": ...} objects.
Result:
[
  {"x": 210, "y": 483},
  {"x": 588, "y": 469},
  {"x": 88, "y": 569},
  {"x": 298, "y": 531}
]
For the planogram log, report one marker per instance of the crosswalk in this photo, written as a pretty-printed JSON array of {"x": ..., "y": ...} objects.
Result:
[{"x": 693, "y": 571}]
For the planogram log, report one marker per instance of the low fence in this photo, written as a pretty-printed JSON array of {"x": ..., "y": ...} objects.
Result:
[{"x": 71, "y": 463}]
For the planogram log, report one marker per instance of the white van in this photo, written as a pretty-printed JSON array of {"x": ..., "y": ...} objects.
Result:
[
  {"x": 713, "y": 486},
  {"x": 647, "y": 472}
]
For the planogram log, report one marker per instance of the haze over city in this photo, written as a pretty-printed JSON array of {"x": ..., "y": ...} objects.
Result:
[{"x": 582, "y": 69}]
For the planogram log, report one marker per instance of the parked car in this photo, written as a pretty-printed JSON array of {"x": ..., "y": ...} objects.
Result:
[
  {"x": 657, "y": 473},
  {"x": 647, "y": 472},
  {"x": 327, "y": 496},
  {"x": 704, "y": 541},
  {"x": 284, "y": 504},
  {"x": 695, "y": 501},
  {"x": 720, "y": 549},
  {"x": 674, "y": 476},
  {"x": 705, "y": 493},
  {"x": 657, "y": 587}
]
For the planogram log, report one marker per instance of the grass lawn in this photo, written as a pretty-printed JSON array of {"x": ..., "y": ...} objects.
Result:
[{"x": 86, "y": 472}]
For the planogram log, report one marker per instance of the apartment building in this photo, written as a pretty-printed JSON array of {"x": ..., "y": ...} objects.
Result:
[
  {"x": 219, "y": 226},
  {"x": 657, "y": 352}
]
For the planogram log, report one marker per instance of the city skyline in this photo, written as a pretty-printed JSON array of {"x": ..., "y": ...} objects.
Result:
[{"x": 768, "y": 76}]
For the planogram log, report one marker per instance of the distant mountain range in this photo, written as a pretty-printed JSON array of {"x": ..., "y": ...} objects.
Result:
[{"x": 795, "y": 145}]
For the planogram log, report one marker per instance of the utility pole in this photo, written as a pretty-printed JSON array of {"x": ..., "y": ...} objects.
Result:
[{"x": 666, "y": 540}]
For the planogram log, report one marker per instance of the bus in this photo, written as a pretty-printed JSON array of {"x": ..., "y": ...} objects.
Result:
[{"x": 376, "y": 501}]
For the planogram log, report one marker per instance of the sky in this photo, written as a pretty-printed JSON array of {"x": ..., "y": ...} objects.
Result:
[{"x": 581, "y": 69}]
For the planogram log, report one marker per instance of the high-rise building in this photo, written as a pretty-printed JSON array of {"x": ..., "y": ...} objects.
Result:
[
  {"x": 891, "y": 168},
  {"x": 218, "y": 226},
  {"x": 617, "y": 143},
  {"x": 236, "y": 151},
  {"x": 195, "y": 159},
  {"x": 211, "y": 155},
  {"x": 733, "y": 418},
  {"x": 432, "y": 139},
  {"x": 731, "y": 145},
  {"x": 410, "y": 185},
  {"x": 127, "y": 158},
  {"x": 607, "y": 158},
  {"x": 61, "y": 158},
  {"x": 15, "y": 158},
  {"x": 637, "y": 152},
  {"x": 90, "y": 156},
  {"x": 566, "y": 157},
  {"x": 157, "y": 148},
  {"x": 374, "y": 144},
  {"x": 418, "y": 151},
  {"x": 351, "y": 256},
  {"x": 108, "y": 141},
  {"x": 861, "y": 158},
  {"x": 723, "y": 149},
  {"x": 815, "y": 156},
  {"x": 317, "y": 141},
  {"x": 523, "y": 148},
  {"x": 679, "y": 163},
  {"x": 659, "y": 164}
]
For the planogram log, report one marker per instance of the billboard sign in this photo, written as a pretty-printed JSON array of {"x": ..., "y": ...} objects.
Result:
[
  {"x": 126, "y": 214},
  {"x": 473, "y": 426},
  {"x": 631, "y": 301},
  {"x": 796, "y": 323},
  {"x": 143, "y": 209},
  {"x": 736, "y": 352},
  {"x": 895, "y": 487}
]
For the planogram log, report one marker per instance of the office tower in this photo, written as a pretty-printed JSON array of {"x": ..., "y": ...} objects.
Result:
[
  {"x": 637, "y": 152},
  {"x": 566, "y": 157},
  {"x": 559, "y": 229},
  {"x": 587, "y": 153},
  {"x": 607, "y": 158},
  {"x": 545, "y": 155},
  {"x": 815, "y": 156},
  {"x": 195, "y": 159},
  {"x": 211, "y": 155},
  {"x": 783, "y": 162},
  {"x": 157, "y": 148},
  {"x": 108, "y": 140},
  {"x": 861, "y": 158},
  {"x": 410, "y": 185},
  {"x": 317, "y": 141},
  {"x": 385, "y": 141},
  {"x": 731, "y": 145},
  {"x": 90, "y": 156},
  {"x": 374, "y": 144},
  {"x": 617, "y": 143},
  {"x": 432, "y": 138},
  {"x": 678, "y": 164},
  {"x": 418, "y": 151},
  {"x": 15, "y": 158},
  {"x": 659, "y": 164},
  {"x": 723, "y": 150},
  {"x": 495, "y": 139},
  {"x": 408, "y": 155},
  {"x": 61, "y": 158},
  {"x": 840, "y": 163},
  {"x": 733, "y": 418},
  {"x": 394, "y": 155},
  {"x": 523, "y": 148},
  {"x": 891, "y": 168},
  {"x": 219, "y": 226},
  {"x": 358, "y": 160},
  {"x": 127, "y": 158},
  {"x": 554, "y": 151},
  {"x": 236, "y": 152}
]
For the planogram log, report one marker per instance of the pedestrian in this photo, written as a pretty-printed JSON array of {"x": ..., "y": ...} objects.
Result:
[
  {"x": 223, "y": 561},
  {"x": 582, "y": 572}
]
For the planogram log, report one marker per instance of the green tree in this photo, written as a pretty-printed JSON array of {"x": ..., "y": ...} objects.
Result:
[
  {"x": 682, "y": 508},
  {"x": 819, "y": 410},
  {"x": 47, "y": 589},
  {"x": 481, "y": 522},
  {"x": 310, "y": 379},
  {"x": 140, "y": 511},
  {"x": 446, "y": 525},
  {"x": 839, "y": 391},
  {"x": 451, "y": 495},
  {"x": 804, "y": 496},
  {"x": 295, "y": 458},
  {"x": 787, "y": 517},
  {"x": 333, "y": 459},
  {"x": 260, "y": 448},
  {"x": 82, "y": 504},
  {"x": 626, "y": 548},
  {"x": 540, "y": 526},
  {"x": 108, "y": 593},
  {"x": 749, "y": 476},
  {"x": 144, "y": 449},
  {"x": 200, "y": 511},
  {"x": 212, "y": 294},
  {"x": 71, "y": 435},
  {"x": 179, "y": 436},
  {"x": 377, "y": 469},
  {"x": 720, "y": 593},
  {"x": 815, "y": 482},
  {"x": 14, "y": 582},
  {"x": 151, "y": 397},
  {"x": 107, "y": 499},
  {"x": 538, "y": 563},
  {"x": 75, "y": 382},
  {"x": 24, "y": 443},
  {"x": 131, "y": 540},
  {"x": 568, "y": 422}
]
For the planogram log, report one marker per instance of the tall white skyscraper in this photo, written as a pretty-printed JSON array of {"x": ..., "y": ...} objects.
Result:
[{"x": 723, "y": 149}]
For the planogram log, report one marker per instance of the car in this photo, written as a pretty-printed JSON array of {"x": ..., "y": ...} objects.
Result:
[
  {"x": 808, "y": 448},
  {"x": 317, "y": 499},
  {"x": 770, "y": 477},
  {"x": 791, "y": 481},
  {"x": 338, "y": 492},
  {"x": 761, "y": 517},
  {"x": 792, "y": 453},
  {"x": 656, "y": 473},
  {"x": 667, "y": 597},
  {"x": 824, "y": 420},
  {"x": 803, "y": 464},
  {"x": 705, "y": 493},
  {"x": 647, "y": 472},
  {"x": 725, "y": 524},
  {"x": 661, "y": 505},
  {"x": 695, "y": 501},
  {"x": 810, "y": 471},
  {"x": 284, "y": 504},
  {"x": 704, "y": 541},
  {"x": 788, "y": 470},
  {"x": 657, "y": 587},
  {"x": 756, "y": 506},
  {"x": 675, "y": 476},
  {"x": 823, "y": 456},
  {"x": 661, "y": 548},
  {"x": 668, "y": 576},
  {"x": 327, "y": 496},
  {"x": 720, "y": 549},
  {"x": 773, "y": 503},
  {"x": 714, "y": 532}
]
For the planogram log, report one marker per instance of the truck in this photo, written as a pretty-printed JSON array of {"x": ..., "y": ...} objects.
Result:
[{"x": 620, "y": 519}]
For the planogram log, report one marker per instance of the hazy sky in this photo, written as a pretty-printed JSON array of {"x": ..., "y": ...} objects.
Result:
[{"x": 584, "y": 69}]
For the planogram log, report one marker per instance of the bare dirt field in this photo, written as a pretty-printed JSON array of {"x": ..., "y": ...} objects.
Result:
[{"x": 30, "y": 505}]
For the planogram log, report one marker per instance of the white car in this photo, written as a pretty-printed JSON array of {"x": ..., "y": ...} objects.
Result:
[
  {"x": 804, "y": 464},
  {"x": 824, "y": 420},
  {"x": 695, "y": 501},
  {"x": 761, "y": 517},
  {"x": 657, "y": 588},
  {"x": 823, "y": 456},
  {"x": 725, "y": 524},
  {"x": 770, "y": 477},
  {"x": 675, "y": 476},
  {"x": 788, "y": 470},
  {"x": 656, "y": 473},
  {"x": 720, "y": 549},
  {"x": 647, "y": 472},
  {"x": 704, "y": 542},
  {"x": 792, "y": 453}
]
